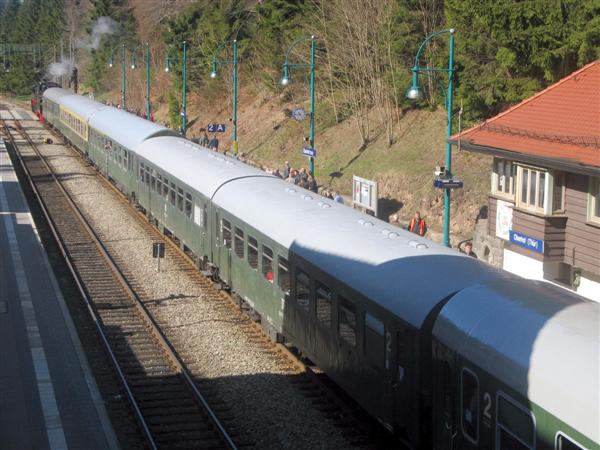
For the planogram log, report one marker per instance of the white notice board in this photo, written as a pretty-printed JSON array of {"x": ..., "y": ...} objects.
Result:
[{"x": 364, "y": 193}]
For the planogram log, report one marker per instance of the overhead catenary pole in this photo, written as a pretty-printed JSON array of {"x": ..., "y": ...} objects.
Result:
[
  {"x": 148, "y": 103},
  {"x": 123, "y": 83},
  {"x": 311, "y": 136},
  {"x": 184, "y": 92},
  {"x": 235, "y": 141}
]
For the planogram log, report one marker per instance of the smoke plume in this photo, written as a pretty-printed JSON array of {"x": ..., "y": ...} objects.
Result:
[
  {"x": 58, "y": 69},
  {"x": 102, "y": 27}
]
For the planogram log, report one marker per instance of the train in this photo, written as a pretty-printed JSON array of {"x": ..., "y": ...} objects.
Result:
[{"x": 445, "y": 351}]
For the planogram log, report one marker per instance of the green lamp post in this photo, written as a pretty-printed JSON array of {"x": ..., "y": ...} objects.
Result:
[
  {"x": 183, "y": 86},
  {"x": 285, "y": 80},
  {"x": 414, "y": 93},
  {"x": 110, "y": 64},
  {"x": 213, "y": 74},
  {"x": 133, "y": 66}
]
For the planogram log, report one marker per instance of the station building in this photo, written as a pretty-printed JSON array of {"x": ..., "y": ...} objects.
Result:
[{"x": 544, "y": 201}]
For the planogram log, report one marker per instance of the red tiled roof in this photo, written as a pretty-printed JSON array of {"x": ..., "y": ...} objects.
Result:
[{"x": 560, "y": 122}]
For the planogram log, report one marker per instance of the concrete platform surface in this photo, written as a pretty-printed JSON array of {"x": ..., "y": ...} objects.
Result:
[{"x": 48, "y": 397}]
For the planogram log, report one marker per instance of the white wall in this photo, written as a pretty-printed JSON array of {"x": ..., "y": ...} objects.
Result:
[
  {"x": 589, "y": 289},
  {"x": 534, "y": 270},
  {"x": 522, "y": 265}
]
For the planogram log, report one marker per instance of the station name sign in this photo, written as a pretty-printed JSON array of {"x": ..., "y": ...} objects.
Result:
[{"x": 522, "y": 240}]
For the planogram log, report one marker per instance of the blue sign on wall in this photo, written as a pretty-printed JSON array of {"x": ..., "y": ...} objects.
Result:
[
  {"x": 522, "y": 240},
  {"x": 216, "y": 128}
]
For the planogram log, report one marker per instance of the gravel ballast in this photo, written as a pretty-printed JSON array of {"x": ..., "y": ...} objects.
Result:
[{"x": 261, "y": 395}]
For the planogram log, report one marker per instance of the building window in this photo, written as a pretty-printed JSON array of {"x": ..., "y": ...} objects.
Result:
[
  {"x": 558, "y": 193},
  {"x": 503, "y": 177},
  {"x": 532, "y": 188},
  {"x": 594, "y": 200}
]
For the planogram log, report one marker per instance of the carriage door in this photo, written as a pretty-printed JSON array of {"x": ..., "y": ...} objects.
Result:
[
  {"x": 445, "y": 398},
  {"x": 225, "y": 236}
]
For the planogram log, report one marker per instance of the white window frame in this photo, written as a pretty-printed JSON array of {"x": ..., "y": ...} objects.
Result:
[
  {"x": 548, "y": 189},
  {"x": 566, "y": 436},
  {"x": 593, "y": 188},
  {"x": 496, "y": 177}
]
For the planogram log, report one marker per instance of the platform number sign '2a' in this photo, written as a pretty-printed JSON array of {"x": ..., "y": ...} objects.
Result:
[{"x": 216, "y": 128}]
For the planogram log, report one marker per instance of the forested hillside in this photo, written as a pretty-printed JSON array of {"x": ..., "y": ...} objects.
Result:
[{"x": 505, "y": 51}]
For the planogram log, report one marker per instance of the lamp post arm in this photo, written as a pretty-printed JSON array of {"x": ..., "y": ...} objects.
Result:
[
  {"x": 427, "y": 39},
  {"x": 291, "y": 47}
]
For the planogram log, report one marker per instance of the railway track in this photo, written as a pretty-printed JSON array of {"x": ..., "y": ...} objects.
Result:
[{"x": 168, "y": 407}]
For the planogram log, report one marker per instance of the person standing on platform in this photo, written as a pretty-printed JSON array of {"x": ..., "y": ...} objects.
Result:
[
  {"x": 214, "y": 143},
  {"x": 417, "y": 225}
]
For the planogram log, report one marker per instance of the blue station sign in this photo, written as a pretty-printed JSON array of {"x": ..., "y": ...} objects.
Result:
[
  {"x": 441, "y": 183},
  {"x": 307, "y": 151},
  {"x": 522, "y": 240},
  {"x": 216, "y": 128}
]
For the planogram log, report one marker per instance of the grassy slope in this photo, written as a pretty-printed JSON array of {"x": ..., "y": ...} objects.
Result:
[{"x": 404, "y": 170}]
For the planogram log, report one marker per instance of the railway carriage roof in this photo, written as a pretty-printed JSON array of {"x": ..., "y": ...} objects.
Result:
[
  {"x": 402, "y": 272},
  {"x": 81, "y": 106},
  {"x": 55, "y": 94},
  {"x": 200, "y": 168},
  {"x": 125, "y": 128},
  {"x": 541, "y": 340}
]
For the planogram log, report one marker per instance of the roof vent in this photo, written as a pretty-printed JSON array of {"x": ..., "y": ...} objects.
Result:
[
  {"x": 385, "y": 232},
  {"x": 418, "y": 245},
  {"x": 393, "y": 235},
  {"x": 290, "y": 190},
  {"x": 324, "y": 205},
  {"x": 306, "y": 197},
  {"x": 365, "y": 223}
]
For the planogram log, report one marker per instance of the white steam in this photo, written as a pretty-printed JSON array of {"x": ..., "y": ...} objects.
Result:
[
  {"x": 102, "y": 27},
  {"x": 62, "y": 68}
]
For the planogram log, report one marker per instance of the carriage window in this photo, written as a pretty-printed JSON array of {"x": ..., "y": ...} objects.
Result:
[
  {"x": 159, "y": 183},
  {"x": 302, "y": 290},
  {"x": 152, "y": 181},
  {"x": 252, "y": 252},
  {"x": 267, "y": 263},
  {"x": 165, "y": 191},
  {"x": 374, "y": 331},
  {"x": 226, "y": 231},
  {"x": 142, "y": 172},
  {"x": 347, "y": 321},
  {"x": 147, "y": 176},
  {"x": 515, "y": 429},
  {"x": 564, "y": 443},
  {"x": 470, "y": 405},
  {"x": 283, "y": 276},
  {"x": 188, "y": 205},
  {"x": 172, "y": 195},
  {"x": 323, "y": 305},
  {"x": 180, "y": 199},
  {"x": 125, "y": 159},
  {"x": 239, "y": 243}
]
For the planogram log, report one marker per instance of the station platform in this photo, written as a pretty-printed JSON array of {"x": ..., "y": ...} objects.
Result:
[{"x": 48, "y": 397}]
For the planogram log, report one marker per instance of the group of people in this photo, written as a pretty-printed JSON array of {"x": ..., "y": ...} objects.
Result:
[
  {"x": 138, "y": 112},
  {"x": 204, "y": 141}
]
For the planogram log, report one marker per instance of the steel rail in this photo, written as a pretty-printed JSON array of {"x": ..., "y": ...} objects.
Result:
[{"x": 153, "y": 327}]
